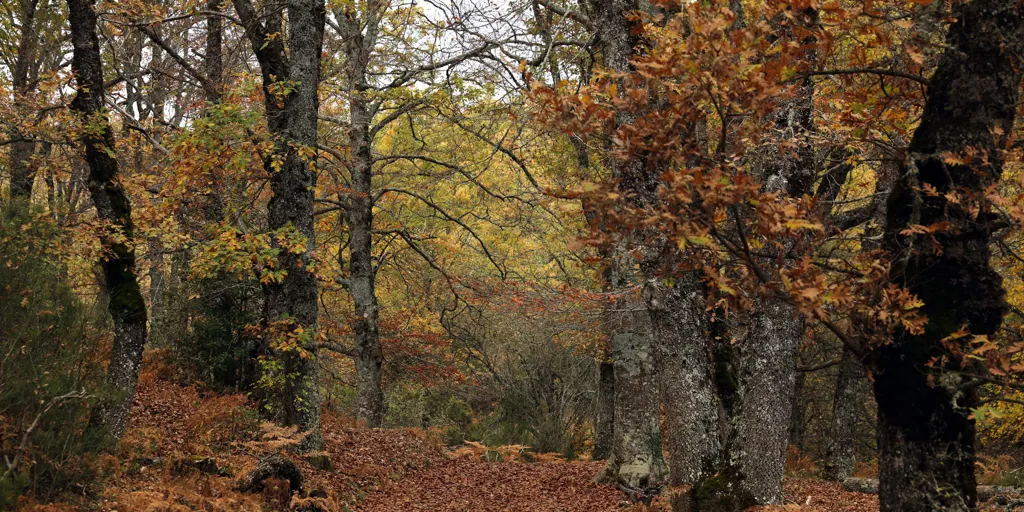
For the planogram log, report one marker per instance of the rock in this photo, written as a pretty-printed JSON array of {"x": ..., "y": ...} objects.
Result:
[
  {"x": 277, "y": 466},
  {"x": 1001, "y": 495},
  {"x": 865, "y": 485}
]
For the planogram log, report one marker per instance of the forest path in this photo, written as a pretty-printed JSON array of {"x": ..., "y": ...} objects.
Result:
[{"x": 467, "y": 485}]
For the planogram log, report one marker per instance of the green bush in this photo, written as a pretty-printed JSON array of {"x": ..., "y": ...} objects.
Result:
[
  {"x": 47, "y": 376},
  {"x": 206, "y": 330}
]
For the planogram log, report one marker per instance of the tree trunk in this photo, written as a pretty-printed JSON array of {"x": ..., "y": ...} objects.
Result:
[
  {"x": 360, "y": 39},
  {"x": 798, "y": 414},
  {"x": 766, "y": 359},
  {"x": 637, "y": 463},
  {"x": 691, "y": 397},
  {"x": 291, "y": 303},
  {"x": 604, "y": 421},
  {"x": 126, "y": 305},
  {"x": 213, "y": 204},
  {"x": 767, "y": 366},
  {"x": 369, "y": 356},
  {"x": 925, "y": 429},
  {"x": 23, "y": 169},
  {"x": 604, "y": 416},
  {"x": 839, "y": 456}
]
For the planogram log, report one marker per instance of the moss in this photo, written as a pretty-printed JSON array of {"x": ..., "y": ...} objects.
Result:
[
  {"x": 726, "y": 379},
  {"x": 722, "y": 492}
]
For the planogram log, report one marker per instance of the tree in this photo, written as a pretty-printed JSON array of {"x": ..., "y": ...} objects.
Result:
[
  {"x": 377, "y": 98},
  {"x": 126, "y": 304},
  {"x": 636, "y": 460},
  {"x": 34, "y": 55},
  {"x": 926, "y": 429},
  {"x": 291, "y": 77}
]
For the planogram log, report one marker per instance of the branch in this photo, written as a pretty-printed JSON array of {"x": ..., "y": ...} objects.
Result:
[
  {"x": 208, "y": 87},
  {"x": 572, "y": 14},
  {"x": 398, "y": 112},
  {"x": 412, "y": 72},
  {"x": 13, "y": 464},
  {"x": 857, "y": 71},
  {"x": 134, "y": 124},
  {"x": 448, "y": 216},
  {"x": 335, "y": 347}
]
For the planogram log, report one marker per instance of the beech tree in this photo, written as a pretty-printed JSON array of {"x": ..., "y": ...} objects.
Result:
[{"x": 636, "y": 461}]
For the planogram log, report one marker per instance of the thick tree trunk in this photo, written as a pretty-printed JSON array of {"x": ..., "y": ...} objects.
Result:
[
  {"x": 766, "y": 359},
  {"x": 767, "y": 366},
  {"x": 126, "y": 305},
  {"x": 637, "y": 462},
  {"x": 925, "y": 430},
  {"x": 291, "y": 303},
  {"x": 839, "y": 456},
  {"x": 687, "y": 380}
]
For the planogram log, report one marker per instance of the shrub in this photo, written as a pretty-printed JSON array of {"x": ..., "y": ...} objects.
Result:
[
  {"x": 47, "y": 366},
  {"x": 206, "y": 329}
]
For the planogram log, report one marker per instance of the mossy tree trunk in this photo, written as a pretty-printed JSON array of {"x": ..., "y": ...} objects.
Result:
[{"x": 126, "y": 304}]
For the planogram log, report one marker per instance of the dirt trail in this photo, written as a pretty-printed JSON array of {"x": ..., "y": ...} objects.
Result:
[{"x": 464, "y": 485}]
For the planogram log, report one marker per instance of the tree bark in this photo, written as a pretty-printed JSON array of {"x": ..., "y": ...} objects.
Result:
[
  {"x": 213, "y": 204},
  {"x": 604, "y": 421},
  {"x": 767, "y": 366},
  {"x": 637, "y": 462},
  {"x": 839, "y": 456},
  {"x": 360, "y": 39},
  {"x": 23, "y": 169},
  {"x": 291, "y": 303},
  {"x": 773, "y": 331},
  {"x": 693, "y": 408},
  {"x": 126, "y": 305},
  {"x": 798, "y": 414},
  {"x": 925, "y": 430}
]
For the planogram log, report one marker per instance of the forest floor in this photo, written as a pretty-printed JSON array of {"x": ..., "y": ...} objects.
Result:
[{"x": 185, "y": 450}]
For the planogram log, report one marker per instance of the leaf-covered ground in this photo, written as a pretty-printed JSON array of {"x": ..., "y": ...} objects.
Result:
[
  {"x": 372, "y": 470},
  {"x": 461, "y": 485}
]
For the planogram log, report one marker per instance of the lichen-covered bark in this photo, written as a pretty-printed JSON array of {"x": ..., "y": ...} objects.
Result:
[
  {"x": 772, "y": 330},
  {"x": 292, "y": 120},
  {"x": 126, "y": 305},
  {"x": 925, "y": 431},
  {"x": 637, "y": 461},
  {"x": 360, "y": 37},
  {"x": 767, "y": 365},
  {"x": 686, "y": 377}
]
